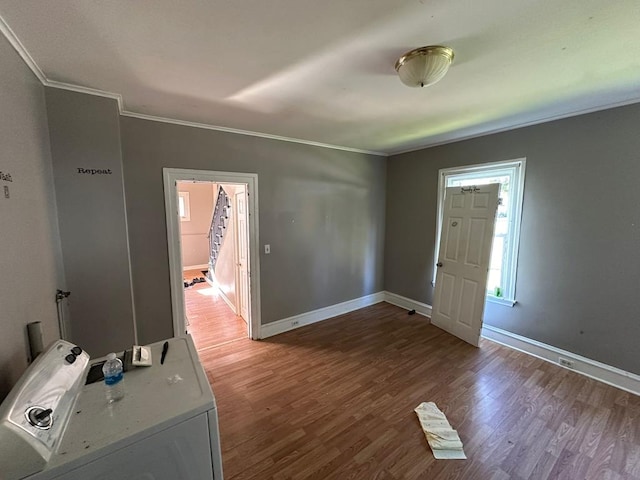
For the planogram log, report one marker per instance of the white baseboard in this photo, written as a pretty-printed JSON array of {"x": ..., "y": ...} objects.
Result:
[
  {"x": 203, "y": 266},
  {"x": 297, "y": 321},
  {"x": 604, "y": 373},
  {"x": 214, "y": 284},
  {"x": 407, "y": 303},
  {"x": 613, "y": 376},
  {"x": 227, "y": 301},
  {"x": 599, "y": 371}
]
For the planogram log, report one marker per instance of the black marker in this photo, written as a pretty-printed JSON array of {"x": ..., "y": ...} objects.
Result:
[{"x": 165, "y": 348}]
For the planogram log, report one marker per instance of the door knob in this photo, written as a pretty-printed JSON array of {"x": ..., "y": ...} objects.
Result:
[{"x": 439, "y": 264}]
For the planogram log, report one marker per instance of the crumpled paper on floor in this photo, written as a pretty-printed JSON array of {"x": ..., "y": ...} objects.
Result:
[{"x": 443, "y": 440}]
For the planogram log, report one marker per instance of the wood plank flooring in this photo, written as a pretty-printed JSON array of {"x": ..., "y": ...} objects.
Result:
[
  {"x": 211, "y": 321},
  {"x": 335, "y": 400}
]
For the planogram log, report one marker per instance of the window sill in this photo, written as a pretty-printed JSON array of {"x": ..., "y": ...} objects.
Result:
[{"x": 501, "y": 301}]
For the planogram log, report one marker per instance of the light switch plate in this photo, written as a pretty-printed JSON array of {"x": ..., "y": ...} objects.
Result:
[
  {"x": 6, "y": 191},
  {"x": 267, "y": 249}
]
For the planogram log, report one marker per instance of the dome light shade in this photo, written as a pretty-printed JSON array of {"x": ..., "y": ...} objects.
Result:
[{"x": 424, "y": 66}]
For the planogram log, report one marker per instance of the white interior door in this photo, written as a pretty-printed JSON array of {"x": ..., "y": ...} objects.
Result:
[
  {"x": 243, "y": 254},
  {"x": 463, "y": 262}
]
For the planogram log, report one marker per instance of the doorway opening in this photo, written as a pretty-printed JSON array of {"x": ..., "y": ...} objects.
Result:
[
  {"x": 212, "y": 236},
  {"x": 213, "y": 232}
]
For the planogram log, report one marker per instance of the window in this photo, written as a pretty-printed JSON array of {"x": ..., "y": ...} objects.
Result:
[
  {"x": 184, "y": 208},
  {"x": 501, "y": 284}
]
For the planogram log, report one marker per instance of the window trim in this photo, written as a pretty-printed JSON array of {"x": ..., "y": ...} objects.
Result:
[
  {"x": 518, "y": 166},
  {"x": 187, "y": 206}
]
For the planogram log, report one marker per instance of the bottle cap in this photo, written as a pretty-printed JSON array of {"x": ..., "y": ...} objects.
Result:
[{"x": 111, "y": 356}]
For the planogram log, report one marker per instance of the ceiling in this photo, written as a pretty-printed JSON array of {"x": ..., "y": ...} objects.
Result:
[{"x": 324, "y": 71}]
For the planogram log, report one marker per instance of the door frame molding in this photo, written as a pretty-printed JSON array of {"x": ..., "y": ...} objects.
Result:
[
  {"x": 236, "y": 270},
  {"x": 518, "y": 167},
  {"x": 170, "y": 178}
]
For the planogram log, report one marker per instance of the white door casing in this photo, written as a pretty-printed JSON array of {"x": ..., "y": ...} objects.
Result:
[
  {"x": 250, "y": 181},
  {"x": 463, "y": 262},
  {"x": 242, "y": 255}
]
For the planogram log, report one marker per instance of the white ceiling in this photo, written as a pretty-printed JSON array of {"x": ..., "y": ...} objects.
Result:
[{"x": 323, "y": 71}]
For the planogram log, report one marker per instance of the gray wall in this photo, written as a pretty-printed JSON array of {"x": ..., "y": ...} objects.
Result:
[
  {"x": 85, "y": 134},
  {"x": 322, "y": 211},
  {"x": 30, "y": 263},
  {"x": 579, "y": 262}
]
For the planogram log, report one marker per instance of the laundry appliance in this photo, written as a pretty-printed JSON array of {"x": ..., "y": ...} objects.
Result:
[{"x": 53, "y": 426}]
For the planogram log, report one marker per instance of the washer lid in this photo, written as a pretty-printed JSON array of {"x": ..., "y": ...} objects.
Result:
[
  {"x": 156, "y": 398},
  {"x": 34, "y": 415}
]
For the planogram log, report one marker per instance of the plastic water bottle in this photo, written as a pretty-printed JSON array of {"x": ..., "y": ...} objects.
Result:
[{"x": 113, "y": 378}]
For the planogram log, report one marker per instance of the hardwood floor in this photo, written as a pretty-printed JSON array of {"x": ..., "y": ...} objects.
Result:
[
  {"x": 211, "y": 321},
  {"x": 335, "y": 400}
]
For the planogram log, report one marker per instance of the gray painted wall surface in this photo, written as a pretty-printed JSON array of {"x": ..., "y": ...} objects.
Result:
[
  {"x": 85, "y": 134},
  {"x": 579, "y": 262},
  {"x": 321, "y": 210},
  {"x": 30, "y": 262}
]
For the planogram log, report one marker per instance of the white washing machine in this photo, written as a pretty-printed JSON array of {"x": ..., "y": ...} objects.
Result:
[{"x": 54, "y": 427}]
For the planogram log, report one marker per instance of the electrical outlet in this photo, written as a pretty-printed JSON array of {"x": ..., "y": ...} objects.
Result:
[
  {"x": 565, "y": 363},
  {"x": 295, "y": 323}
]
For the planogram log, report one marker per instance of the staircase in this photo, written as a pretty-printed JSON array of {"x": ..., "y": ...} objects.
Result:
[{"x": 219, "y": 223}]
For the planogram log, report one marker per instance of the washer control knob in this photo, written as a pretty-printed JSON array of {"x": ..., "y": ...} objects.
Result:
[
  {"x": 76, "y": 351},
  {"x": 39, "y": 417}
]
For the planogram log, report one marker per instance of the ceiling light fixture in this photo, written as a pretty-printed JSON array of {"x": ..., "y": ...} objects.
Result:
[{"x": 424, "y": 66}]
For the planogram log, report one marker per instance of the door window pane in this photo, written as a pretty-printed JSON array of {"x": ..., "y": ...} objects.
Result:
[{"x": 510, "y": 176}]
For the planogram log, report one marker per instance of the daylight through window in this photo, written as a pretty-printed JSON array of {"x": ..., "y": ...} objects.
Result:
[
  {"x": 501, "y": 283},
  {"x": 184, "y": 209}
]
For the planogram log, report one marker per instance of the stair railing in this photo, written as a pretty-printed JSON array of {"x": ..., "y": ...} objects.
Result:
[{"x": 218, "y": 227}]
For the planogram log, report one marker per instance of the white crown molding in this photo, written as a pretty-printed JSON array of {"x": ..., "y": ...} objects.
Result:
[
  {"x": 87, "y": 90},
  {"x": 28, "y": 59},
  {"x": 529, "y": 123},
  {"x": 269, "y": 136},
  {"x": 22, "y": 51},
  {"x": 37, "y": 71}
]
